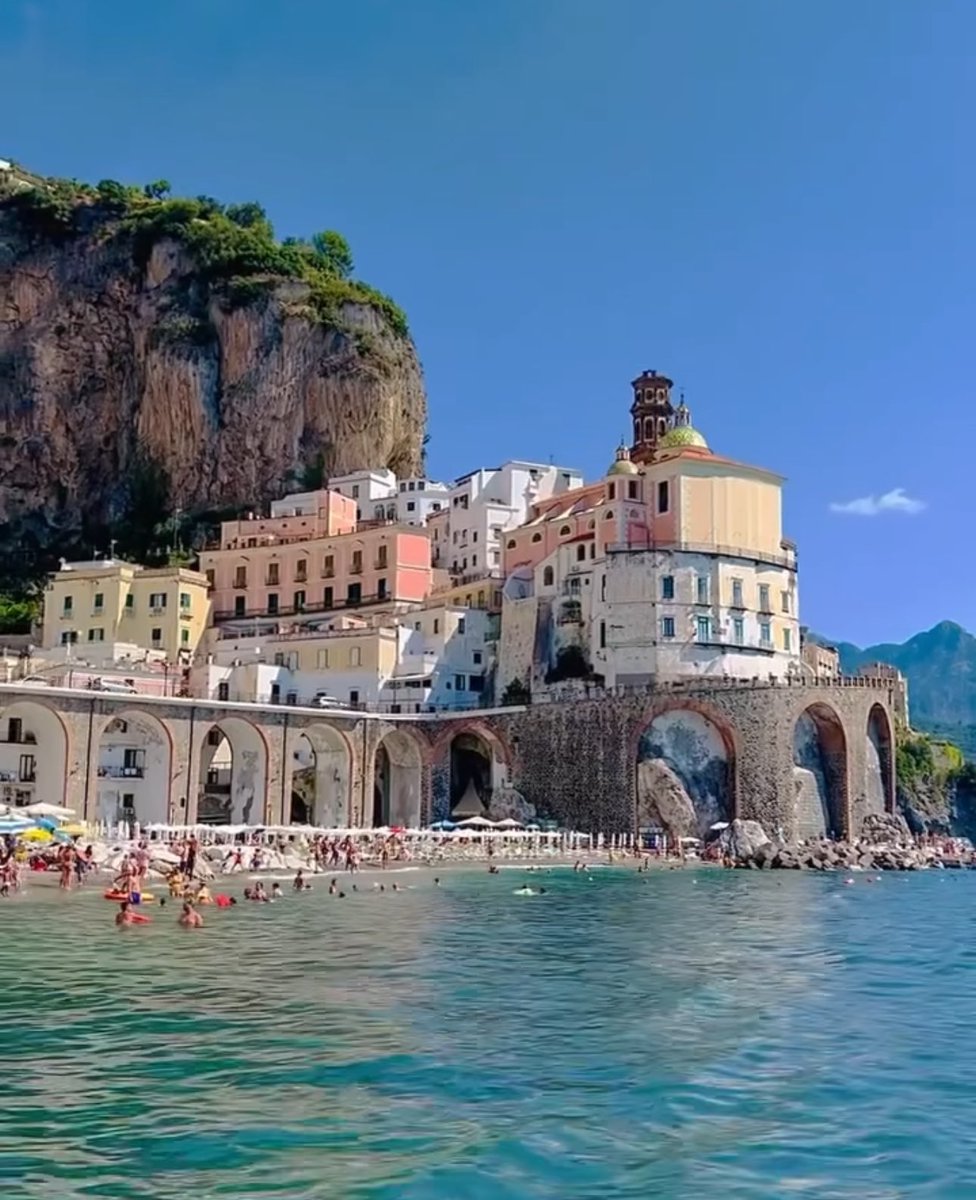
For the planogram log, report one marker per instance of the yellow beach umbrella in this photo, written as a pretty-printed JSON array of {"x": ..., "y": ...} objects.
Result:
[
  {"x": 36, "y": 835},
  {"x": 75, "y": 829}
]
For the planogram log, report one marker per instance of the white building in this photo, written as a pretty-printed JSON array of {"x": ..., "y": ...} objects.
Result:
[
  {"x": 419, "y": 499},
  {"x": 490, "y": 501}
]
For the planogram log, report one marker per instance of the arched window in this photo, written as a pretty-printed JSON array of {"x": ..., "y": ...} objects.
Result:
[
  {"x": 662, "y": 394},
  {"x": 608, "y": 516},
  {"x": 565, "y": 531},
  {"x": 648, "y": 428},
  {"x": 510, "y": 544},
  {"x": 591, "y": 525},
  {"x": 580, "y": 552},
  {"x": 662, "y": 426},
  {"x": 537, "y": 537},
  {"x": 547, "y": 577}
]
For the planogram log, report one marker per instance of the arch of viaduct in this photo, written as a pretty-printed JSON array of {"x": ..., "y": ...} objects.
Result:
[{"x": 788, "y": 755}]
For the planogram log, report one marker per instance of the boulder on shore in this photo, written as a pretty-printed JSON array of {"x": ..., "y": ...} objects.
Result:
[{"x": 742, "y": 839}]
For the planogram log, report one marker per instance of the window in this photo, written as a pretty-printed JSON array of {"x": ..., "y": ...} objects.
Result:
[
  {"x": 547, "y": 577},
  {"x": 737, "y": 593},
  {"x": 327, "y": 598},
  {"x": 186, "y": 602},
  {"x": 272, "y": 602},
  {"x": 378, "y": 511},
  {"x": 157, "y": 600},
  {"x": 574, "y": 583},
  {"x": 355, "y": 491},
  {"x": 476, "y": 657},
  {"x": 667, "y": 627},
  {"x": 704, "y": 629},
  {"x": 27, "y": 768},
  {"x": 459, "y": 683},
  {"x": 240, "y": 577},
  {"x": 474, "y": 536},
  {"x": 328, "y": 566},
  {"x": 381, "y": 589},
  {"x": 357, "y": 562},
  {"x": 436, "y": 506},
  {"x": 223, "y": 690},
  {"x": 474, "y": 560},
  {"x": 481, "y": 598},
  {"x": 354, "y": 698},
  {"x": 581, "y": 552},
  {"x": 96, "y": 635},
  {"x": 784, "y": 601},
  {"x": 381, "y": 553},
  {"x": 322, "y": 660},
  {"x": 69, "y": 637},
  {"x": 184, "y": 637},
  {"x": 156, "y": 636},
  {"x": 239, "y": 602},
  {"x": 210, "y": 578},
  {"x": 461, "y": 625},
  {"x": 355, "y": 656},
  {"x": 272, "y": 579},
  {"x": 301, "y": 570},
  {"x": 437, "y": 625},
  {"x": 537, "y": 537},
  {"x": 701, "y": 589},
  {"x": 764, "y": 638},
  {"x": 738, "y": 631},
  {"x": 663, "y": 497},
  {"x": 510, "y": 544},
  {"x": 99, "y": 600},
  {"x": 632, "y": 489},
  {"x": 603, "y": 587},
  {"x": 298, "y": 601},
  {"x": 764, "y": 598},
  {"x": 603, "y": 635},
  {"x": 667, "y": 587},
  {"x": 612, "y": 491},
  {"x": 565, "y": 531},
  {"x": 130, "y": 600},
  {"x": 354, "y": 593},
  {"x": 15, "y": 729},
  {"x": 411, "y": 505},
  {"x": 787, "y": 641}
]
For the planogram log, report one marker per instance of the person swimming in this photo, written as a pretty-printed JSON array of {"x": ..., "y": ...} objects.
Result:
[
  {"x": 125, "y": 916},
  {"x": 189, "y": 918},
  {"x": 276, "y": 892},
  {"x": 525, "y": 891}
]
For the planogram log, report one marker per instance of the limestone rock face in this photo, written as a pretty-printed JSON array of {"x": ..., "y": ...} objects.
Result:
[
  {"x": 742, "y": 839},
  {"x": 662, "y": 799},
  {"x": 109, "y": 364}
]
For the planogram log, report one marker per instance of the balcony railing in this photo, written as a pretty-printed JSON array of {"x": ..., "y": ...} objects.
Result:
[
  {"x": 311, "y": 607},
  {"x": 121, "y": 772}
]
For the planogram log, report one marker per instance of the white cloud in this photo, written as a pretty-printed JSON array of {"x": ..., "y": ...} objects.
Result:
[{"x": 895, "y": 501}]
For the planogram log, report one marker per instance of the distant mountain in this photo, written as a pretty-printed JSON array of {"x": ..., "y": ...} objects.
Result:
[{"x": 940, "y": 666}]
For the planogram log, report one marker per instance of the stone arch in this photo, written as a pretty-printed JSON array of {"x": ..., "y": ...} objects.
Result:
[
  {"x": 686, "y": 769},
  {"x": 398, "y": 780},
  {"x": 33, "y": 754},
  {"x": 320, "y": 779},
  {"x": 879, "y": 775},
  {"x": 820, "y": 773},
  {"x": 471, "y": 766},
  {"x": 134, "y": 754},
  {"x": 232, "y": 777}
]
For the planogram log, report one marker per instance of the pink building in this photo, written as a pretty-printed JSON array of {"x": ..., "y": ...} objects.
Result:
[{"x": 313, "y": 560}]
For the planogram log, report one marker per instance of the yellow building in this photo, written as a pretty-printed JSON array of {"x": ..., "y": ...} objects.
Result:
[{"x": 106, "y": 604}]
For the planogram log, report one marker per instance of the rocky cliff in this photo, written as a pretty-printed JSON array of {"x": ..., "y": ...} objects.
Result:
[{"x": 173, "y": 354}]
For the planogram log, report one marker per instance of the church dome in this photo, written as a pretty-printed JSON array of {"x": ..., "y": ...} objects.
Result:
[
  {"x": 622, "y": 465},
  {"x": 682, "y": 435}
]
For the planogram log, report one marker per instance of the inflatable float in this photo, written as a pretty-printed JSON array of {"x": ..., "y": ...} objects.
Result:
[{"x": 117, "y": 896}]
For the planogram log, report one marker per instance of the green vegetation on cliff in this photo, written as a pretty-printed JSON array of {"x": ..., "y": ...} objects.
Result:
[
  {"x": 235, "y": 245},
  {"x": 936, "y": 787}
]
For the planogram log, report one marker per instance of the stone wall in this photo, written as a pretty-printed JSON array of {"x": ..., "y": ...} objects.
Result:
[{"x": 728, "y": 747}]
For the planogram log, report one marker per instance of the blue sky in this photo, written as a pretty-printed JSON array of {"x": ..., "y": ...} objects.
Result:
[{"x": 772, "y": 202}]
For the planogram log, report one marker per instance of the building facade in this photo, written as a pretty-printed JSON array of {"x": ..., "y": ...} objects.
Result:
[
  {"x": 106, "y": 610},
  {"x": 674, "y": 565}
]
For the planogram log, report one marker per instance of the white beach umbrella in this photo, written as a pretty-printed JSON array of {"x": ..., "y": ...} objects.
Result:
[
  {"x": 476, "y": 823},
  {"x": 42, "y": 809},
  {"x": 508, "y": 823}
]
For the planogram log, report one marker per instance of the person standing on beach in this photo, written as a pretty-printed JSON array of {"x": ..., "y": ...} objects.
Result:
[
  {"x": 192, "y": 847},
  {"x": 66, "y": 860}
]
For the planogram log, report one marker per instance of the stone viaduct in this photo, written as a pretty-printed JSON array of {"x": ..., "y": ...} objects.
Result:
[{"x": 802, "y": 757}]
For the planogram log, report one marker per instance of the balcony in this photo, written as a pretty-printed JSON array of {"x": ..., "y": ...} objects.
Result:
[
  {"x": 356, "y": 568},
  {"x": 121, "y": 772},
  {"x": 67, "y": 614},
  {"x": 272, "y": 581},
  {"x": 23, "y": 739},
  {"x": 308, "y": 607},
  {"x": 28, "y": 776},
  {"x": 301, "y": 577},
  {"x": 158, "y": 610},
  {"x": 186, "y": 614}
]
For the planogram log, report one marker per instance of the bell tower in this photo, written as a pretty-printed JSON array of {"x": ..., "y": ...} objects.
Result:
[{"x": 652, "y": 412}]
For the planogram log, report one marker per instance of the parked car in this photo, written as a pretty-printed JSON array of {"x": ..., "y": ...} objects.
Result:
[
  {"x": 119, "y": 686},
  {"x": 324, "y": 700},
  {"x": 34, "y": 681}
]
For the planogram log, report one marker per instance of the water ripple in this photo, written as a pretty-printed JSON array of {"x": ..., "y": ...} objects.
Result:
[{"x": 676, "y": 1034}]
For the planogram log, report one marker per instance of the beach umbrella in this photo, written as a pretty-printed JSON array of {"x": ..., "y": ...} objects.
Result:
[
  {"x": 36, "y": 835},
  {"x": 45, "y": 823},
  {"x": 476, "y": 823},
  {"x": 718, "y": 825},
  {"x": 42, "y": 809},
  {"x": 508, "y": 823},
  {"x": 445, "y": 825},
  {"x": 15, "y": 825}
]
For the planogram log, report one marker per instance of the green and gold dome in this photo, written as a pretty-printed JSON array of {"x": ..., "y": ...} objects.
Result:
[
  {"x": 682, "y": 435},
  {"x": 622, "y": 465}
]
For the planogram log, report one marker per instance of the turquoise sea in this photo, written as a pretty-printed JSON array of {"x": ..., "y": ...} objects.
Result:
[{"x": 675, "y": 1034}]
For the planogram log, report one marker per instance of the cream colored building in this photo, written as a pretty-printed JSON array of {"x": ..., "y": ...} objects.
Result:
[{"x": 94, "y": 608}]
